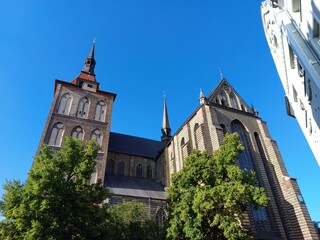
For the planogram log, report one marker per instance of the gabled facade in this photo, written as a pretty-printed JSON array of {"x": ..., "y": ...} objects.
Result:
[
  {"x": 224, "y": 111},
  {"x": 137, "y": 168},
  {"x": 293, "y": 34}
]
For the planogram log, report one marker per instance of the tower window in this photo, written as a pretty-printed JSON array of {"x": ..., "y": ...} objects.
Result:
[
  {"x": 100, "y": 111},
  {"x": 96, "y": 135},
  {"x": 65, "y": 103},
  {"x": 77, "y": 133},
  {"x": 56, "y": 135},
  {"x": 83, "y": 108}
]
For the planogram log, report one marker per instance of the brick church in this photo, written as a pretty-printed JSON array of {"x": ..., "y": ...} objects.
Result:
[{"x": 137, "y": 168}]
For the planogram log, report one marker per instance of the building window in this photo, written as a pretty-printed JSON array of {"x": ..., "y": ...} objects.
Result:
[
  {"x": 296, "y": 5},
  {"x": 223, "y": 99},
  {"x": 295, "y": 94},
  {"x": 195, "y": 129},
  {"x": 160, "y": 216},
  {"x": 233, "y": 101},
  {"x": 292, "y": 57},
  {"x": 120, "y": 168},
  {"x": 149, "y": 171},
  {"x": 65, "y": 104},
  {"x": 56, "y": 135},
  {"x": 77, "y": 133},
  {"x": 316, "y": 29},
  {"x": 110, "y": 167},
  {"x": 245, "y": 158},
  {"x": 100, "y": 111},
  {"x": 83, "y": 108},
  {"x": 139, "y": 170},
  {"x": 96, "y": 135}
]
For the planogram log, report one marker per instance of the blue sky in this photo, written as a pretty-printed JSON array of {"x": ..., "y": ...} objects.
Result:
[{"x": 143, "y": 49}]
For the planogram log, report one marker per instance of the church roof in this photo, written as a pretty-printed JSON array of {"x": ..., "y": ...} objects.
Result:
[
  {"x": 136, "y": 146},
  {"x": 135, "y": 187}
]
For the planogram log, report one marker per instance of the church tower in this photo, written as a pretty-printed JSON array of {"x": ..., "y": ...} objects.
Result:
[{"x": 81, "y": 110}]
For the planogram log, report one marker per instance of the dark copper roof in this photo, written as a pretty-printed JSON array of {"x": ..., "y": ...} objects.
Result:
[
  {"x": 135, "y": 187},
  {"x": 136, "y": 146}
]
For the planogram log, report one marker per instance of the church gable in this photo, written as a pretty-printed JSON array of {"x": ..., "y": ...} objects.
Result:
[{"x": 225, "y": 95}]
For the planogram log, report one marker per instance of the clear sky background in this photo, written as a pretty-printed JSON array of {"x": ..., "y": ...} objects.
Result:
[{"x": 144, "y": 47}]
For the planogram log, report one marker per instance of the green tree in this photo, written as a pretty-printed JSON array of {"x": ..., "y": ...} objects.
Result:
[
  {"x": 57, "y": 201},
  {"x": 129, "y": 221},
  {"x": 209, "y": 195}
]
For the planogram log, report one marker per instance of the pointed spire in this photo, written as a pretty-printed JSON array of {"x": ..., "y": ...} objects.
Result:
[
  {"x": 166, "y": 130},
  {"x": 202, "y": 97},
  {"x": 90, "y": 62}
]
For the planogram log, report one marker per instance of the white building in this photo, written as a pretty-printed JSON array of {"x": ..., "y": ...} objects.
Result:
[{"x": 293, "y": 34}]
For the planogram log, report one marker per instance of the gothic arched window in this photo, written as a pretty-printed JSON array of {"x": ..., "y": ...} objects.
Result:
[
  {"x": 100, "y": 111},
  {"x": 83, "y": 108},
  {"x": 96, "y": 135},
  {"x": 160, "y": 216},
  {"x": 245, "y": 158},
  {"x": 223, "y": 99},
  {"x": 149, "y": 171},
  {"x": 139, "y": 170},
  {"x": 196, "y": 126},
  {"x": 120, "y": 170},
  {"x": 233, "y": 101},
  {"x": 110, "y": 167},
  {"x": 56, "y": 135},
  {"x": 77, "y": 133},
  {"x": 65, "y": 103}
]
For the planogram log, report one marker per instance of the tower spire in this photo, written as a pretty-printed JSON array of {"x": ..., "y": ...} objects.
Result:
[
  {"x": 90, "y": 62},
  {"x": 166, "y": 130}
]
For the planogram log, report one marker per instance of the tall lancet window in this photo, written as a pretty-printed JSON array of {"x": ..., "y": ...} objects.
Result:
[
  {"x": 96, "y": 135},
  {"x": 233, "y": 101},
  {"x": 83, "y": 108},
  {"x": 56, "y": 135},
  {"x": 223, "y": 99},
  {"x": 100, "y": 111},
  {"x": 65, "y": 104},
  {"x": 77, "y": 132},
  {"x": 139, "y": 170},
  {"x": 260, "y": 215},
  {"x": 245, "y": 159}
]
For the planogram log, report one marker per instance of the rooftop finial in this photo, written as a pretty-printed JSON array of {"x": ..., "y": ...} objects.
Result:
[{"x": 202, "y": 97}]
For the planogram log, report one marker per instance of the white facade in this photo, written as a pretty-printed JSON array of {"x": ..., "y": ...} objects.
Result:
[{"x": 293, "y": 34}]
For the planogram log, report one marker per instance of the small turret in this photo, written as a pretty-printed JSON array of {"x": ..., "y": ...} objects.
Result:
[
  {"x": 90, "y": 62},
  {"x": 202, "y": 98}
]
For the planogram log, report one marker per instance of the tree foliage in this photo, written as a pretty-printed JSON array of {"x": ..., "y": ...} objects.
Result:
[
  {"x": 128, "y": 221},
  {"x": 56, "y": 202},
  {"x": 209, "y": 195}
]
